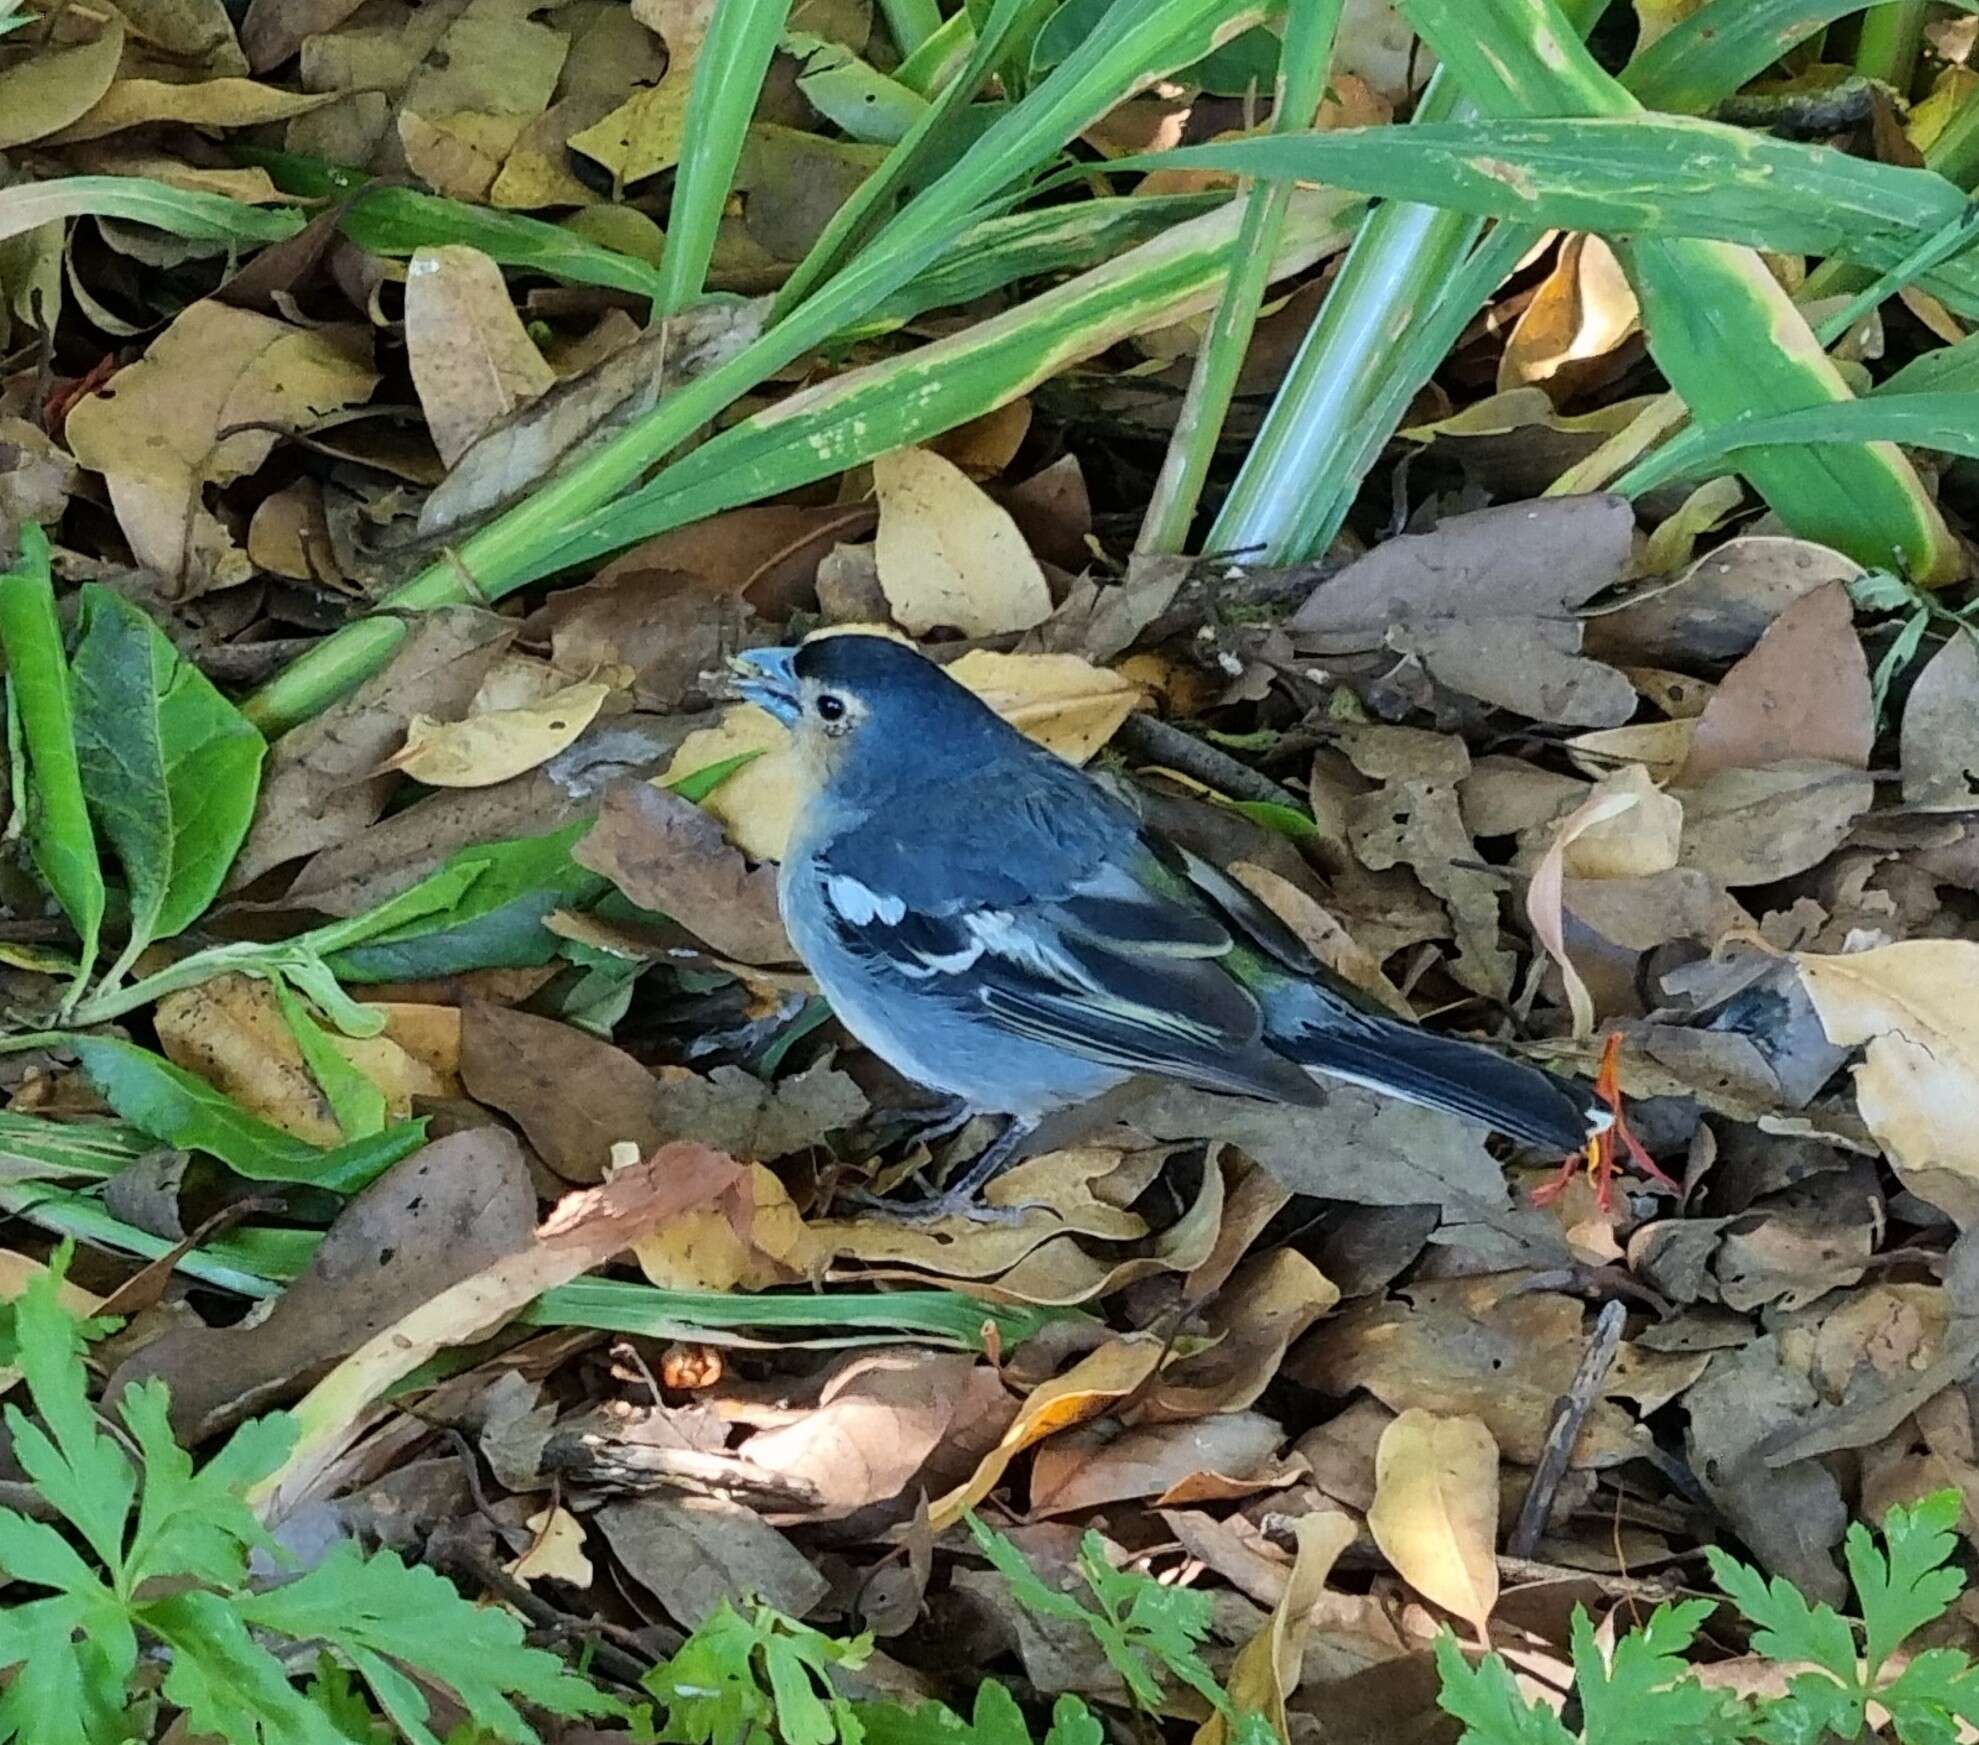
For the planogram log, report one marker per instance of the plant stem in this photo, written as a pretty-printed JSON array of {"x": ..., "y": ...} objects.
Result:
[
  {"x": 1891, "y": 37},
  {"x": 1302, "y": 68}
]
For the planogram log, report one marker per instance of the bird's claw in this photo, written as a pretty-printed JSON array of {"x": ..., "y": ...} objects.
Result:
[{"x": 1600, "y": 1155}]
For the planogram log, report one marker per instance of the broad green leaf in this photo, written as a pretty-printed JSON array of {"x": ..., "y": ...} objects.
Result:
[
  {"x": 176, "y": 1108},
  {"x": 1787, "y": 1627},
  {"x": 1489, "y": 1703},
  {"x": 58, "y": 830},
  {"x": 194, "y": 1522},
  {"x": 169, "y": 766},
  {"x": 230, "y": 1685},
  {"x": 495, "y": 923}
]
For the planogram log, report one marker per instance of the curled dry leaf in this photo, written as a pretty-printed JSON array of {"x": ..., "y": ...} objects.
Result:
[
  {"x": 1435, "y": 1511},
  {"x": 749, "y": 1242},
  {"x": 501, "y": 743},
  {"x": 583, "y": 1230},
  {"x": 473, "y": 363},
  {"x": 1088, "y": 1468},
  {"x": 1061, "y": 701},
  {"x": 1910, "y": 1008},
  {"x": 1267, "y": 1668},
  {"x": 1102, "y": 1379},
  {"x": 174, "y": 423},
  {"x": 1579, "y": 317},
  {"x": 1626, "y": 827},
  {"x": 948, "y": 556}
]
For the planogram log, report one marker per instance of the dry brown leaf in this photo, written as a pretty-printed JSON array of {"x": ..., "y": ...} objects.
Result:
[
  {"x": 583, "y": 1230},
  {"x": 473, "y": 363},
  {"x": 1321, "y": 934},
  {"x": 488, "y": 748},
  {"x": 1659, "y": 746},
  {"x": 1625, "y": 828},
  {"x": 666, "y": 854},
  {"x": 1061, "y": 701},
  {"x": 948, "y": 556},
  {"x": 1097, "y": 1382},
  {"x": 1755, "y": 826},
  {"x": 210, "y": 103},
  {"x": 1435, "y": 1511},
  {"x": 1803, "y": 692},
  {"x": 1579, "y": 316},
  {"x": 155, "y": 432},
  {"x": 1269, "y": 1302},
  {"x": 1910, "y": 1008},
  {"x": 1267, "y": 1668},
  {"x": 59, "y": 83},
  {"x": 1940, "y": 737},
  {"x": 1088, "y": 1468}
]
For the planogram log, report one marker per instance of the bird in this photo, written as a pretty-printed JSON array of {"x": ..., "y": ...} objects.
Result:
[{"x": 1001, "y": 928}]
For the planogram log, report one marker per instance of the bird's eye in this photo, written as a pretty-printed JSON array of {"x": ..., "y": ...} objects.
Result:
[{"x": 831, "y": 708}]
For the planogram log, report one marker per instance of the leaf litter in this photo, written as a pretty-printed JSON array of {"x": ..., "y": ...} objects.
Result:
[{"x": 459, "y": 1025}]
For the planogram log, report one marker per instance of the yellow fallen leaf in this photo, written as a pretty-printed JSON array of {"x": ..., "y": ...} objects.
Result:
[
  {"x": 490, "y": 748},
  {"x": 58, "y": 82},
  {"x": 948, "y": 555},
  {"x": 643, "y": 135},
  {"x": 1627, "y": 827},
  {"x": 558, "y": 1553},
  {"x": 209, "y": 103},
  {"x": 1582, "y": 311},
  {"x": 706, "y": 1251},
  {"x": 231, "y": 1033},
  {"x": 1064, "y": 703},
  {"x": 1435, "y": 1510},
  {"x": 155, "y": 433},
  {"x": 1661, "y": 746},
  {"x": 1098, "y": 1381},
  {"x": 473, "y": 363},
  {"x": 1911, "y": 1006},
  {"x": 1266, "y": 1670}
]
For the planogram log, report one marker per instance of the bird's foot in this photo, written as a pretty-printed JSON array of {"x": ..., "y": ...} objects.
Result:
[
  {"x": 1605, "y": 1146},
  {"x": 959, "y": 1203}
]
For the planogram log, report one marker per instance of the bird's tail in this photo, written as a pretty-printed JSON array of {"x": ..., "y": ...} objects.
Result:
[{"x": 1461, "y": 1078}]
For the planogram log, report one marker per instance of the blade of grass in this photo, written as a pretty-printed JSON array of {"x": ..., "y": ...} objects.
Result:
[
  {"x": 1156, "y": 40},
  {"x": 1721, "y": 328},
  {"x": 1934, "y": 419},
  {"x": 728, "y": 79},
  {"x": 910, "y": 23},
  {"x": 852, "y": 418},
  {"x": 1703, "y": 58},
  {"x": 1302, "y": 70},
  {"x": 196, "y": 217},
  {"x": 1891, "y": 37}
]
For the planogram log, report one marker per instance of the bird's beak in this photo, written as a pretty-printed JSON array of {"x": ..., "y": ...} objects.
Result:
[{"x": 768, "y": 679}]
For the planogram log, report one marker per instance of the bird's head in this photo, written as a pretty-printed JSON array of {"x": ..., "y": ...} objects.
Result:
[{"x": 864, "y": 703}]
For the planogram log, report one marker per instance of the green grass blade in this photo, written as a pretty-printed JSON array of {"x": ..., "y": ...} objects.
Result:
[
  {"x": 1702, "y": 59},
  {"x": 728, "y": 79},
  {"x": 1722, "y": 329},
  {"x": 196, "y": 217},
  {"x": 1302, "y": 68},
  {"x": 910, "y": 23},
  {"x": 1932, "y": 418},
  {"x": 1160, "y": 36},
  {"x": 908, "y": 399},
  {"x": 58, "y": 829}
]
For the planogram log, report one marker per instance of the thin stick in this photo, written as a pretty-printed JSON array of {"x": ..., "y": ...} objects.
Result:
[{"x": 1569, "y": 1413}]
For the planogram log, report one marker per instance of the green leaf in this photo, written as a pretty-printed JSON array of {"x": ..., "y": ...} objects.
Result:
[
  {"x": 1645, "y": 1694},
  {"x": 1489, "y": 1703},
  {"x": 1902, "y": 1592},
  {"x": 178, "y": 1109},
  {"x": 1787, "y": 1628},
  {"x": 381, "y": 1609},
  {"x": 169, "y": 766},
  {"x": 357, "y": 1103},
  {"x": 229, "y": 1684},
  {"x": 58, "y": 830},
  {"x": 196, "y": 217},
  {"x": 494, "y": 920}
]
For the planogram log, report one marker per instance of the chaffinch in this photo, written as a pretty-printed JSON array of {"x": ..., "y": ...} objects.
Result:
[{"x": 996, "y": 925}]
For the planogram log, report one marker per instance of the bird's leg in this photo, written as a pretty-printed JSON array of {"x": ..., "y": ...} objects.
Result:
[
  {"x": 948, "y": 1117},
  {"x": 958, "y": 1199},
  {"x": 1600, "y": 1154}
]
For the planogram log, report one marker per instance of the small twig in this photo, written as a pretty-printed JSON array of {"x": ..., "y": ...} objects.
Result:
[
  {"x": 607, "y": 1657},
  {"x": 1569, "y": 1413},
  {"x": 1145, "y": 737}
]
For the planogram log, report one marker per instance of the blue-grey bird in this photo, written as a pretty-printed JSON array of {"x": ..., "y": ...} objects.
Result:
[{"x": 996, "y": 925}]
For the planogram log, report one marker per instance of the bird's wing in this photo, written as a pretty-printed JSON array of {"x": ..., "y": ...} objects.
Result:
[{"x": 1112, "y": 965}]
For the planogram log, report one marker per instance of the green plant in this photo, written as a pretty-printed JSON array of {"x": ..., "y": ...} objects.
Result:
[
  {"x": 161, "y": 1573},
  {"x": 1644, "y": 1691}
]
